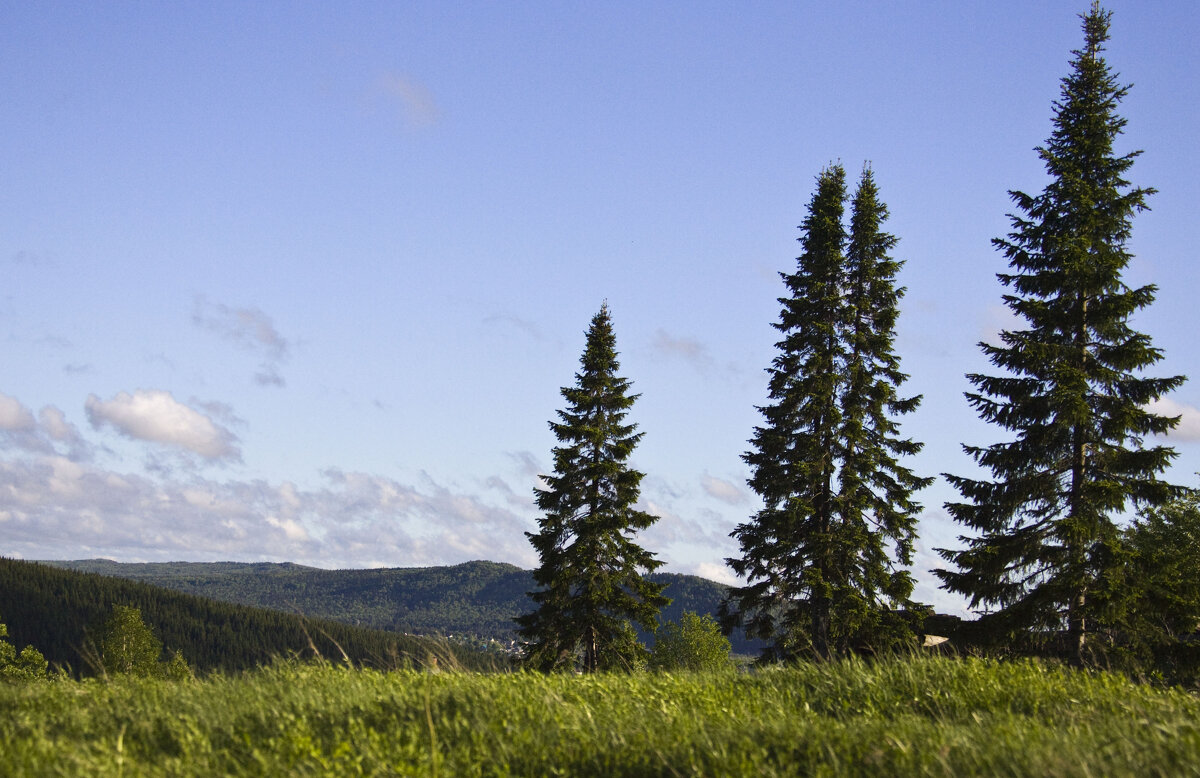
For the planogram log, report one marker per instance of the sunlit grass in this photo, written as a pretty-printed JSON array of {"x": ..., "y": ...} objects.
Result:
[{"x": 904, "y": 717}]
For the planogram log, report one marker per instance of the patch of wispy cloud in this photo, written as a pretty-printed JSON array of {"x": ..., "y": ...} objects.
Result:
[
  {"x": 529, "y": 468},
  {"x": 249, "y": 329},
  {"x": 498, "y": 484},
  {"x": 219, "y": 411},
  {"x": 1188, "y": 429},
  {"x": 662, "y": 489},
  {"x": 54, "y": 341},
  {"x": 998, "y": 318},
  {"x": 268, "y": 375},
  {"x": 155, "y": 416},
  {"x": 53, "y": 423},
  {"x": 32, "y": 259},
  {"x": 691, "y": 351},
  {"x": 513, "y": 321},
  {"x": 720, "y": 489},
  {"x": 674, "y": 529},
  {"x": 927, "y": 587},
  {"x": 416, "y": 103},
  {"x": 520, "y": 499}
]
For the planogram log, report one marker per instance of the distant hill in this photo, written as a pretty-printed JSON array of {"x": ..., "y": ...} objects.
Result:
[
  {"x": 477, "y": 599},
  {"x": 53, "y": 609}
]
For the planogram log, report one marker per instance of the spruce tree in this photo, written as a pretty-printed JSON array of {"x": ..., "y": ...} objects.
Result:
[
  {"x": 590, "y": 578},
  {"x": 877, "y": 515},
  {"x": 1048, "y": 552},
  {"x": 815, "y": 557}
]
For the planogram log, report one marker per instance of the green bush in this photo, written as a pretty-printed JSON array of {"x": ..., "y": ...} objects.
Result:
[
  {"x": 27, "y": 665},
  {"x": 693, "y": 643},
  {"x": 129, "y": 647}
]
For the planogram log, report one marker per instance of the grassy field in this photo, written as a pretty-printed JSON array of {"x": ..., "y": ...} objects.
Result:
[{"x": 912, "y": 717}]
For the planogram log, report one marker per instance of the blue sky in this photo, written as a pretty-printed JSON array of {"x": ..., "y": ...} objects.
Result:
[{"x": 302, "y": 281}]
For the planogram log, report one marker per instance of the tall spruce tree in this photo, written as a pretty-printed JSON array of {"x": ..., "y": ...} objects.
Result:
[
  {"x": 819, "y": 577},
  {"x": 1048, "y": 554},
  {"x": 591, "y": 585},
  {"x": 877, "y": 515}
]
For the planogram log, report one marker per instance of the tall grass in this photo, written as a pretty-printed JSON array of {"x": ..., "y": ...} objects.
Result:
[{"x": 903, "y": 717}]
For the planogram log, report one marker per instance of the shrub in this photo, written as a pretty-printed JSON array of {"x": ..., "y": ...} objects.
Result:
[{"x": 693, "y": 643}]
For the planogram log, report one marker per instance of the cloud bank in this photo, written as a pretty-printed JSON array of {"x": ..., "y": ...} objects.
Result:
[{"x": 351, "y": 519}]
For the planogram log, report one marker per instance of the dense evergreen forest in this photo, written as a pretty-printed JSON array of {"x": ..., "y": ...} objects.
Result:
[
  {"x": 57, "y": 610},
  {"x": 475, "y": 599}
]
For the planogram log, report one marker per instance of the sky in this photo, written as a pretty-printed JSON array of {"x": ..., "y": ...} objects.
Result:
[{"x": 302, "y": 281}]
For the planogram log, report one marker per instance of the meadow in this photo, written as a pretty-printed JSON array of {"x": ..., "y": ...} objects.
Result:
[{"x": 920, "y": 716}]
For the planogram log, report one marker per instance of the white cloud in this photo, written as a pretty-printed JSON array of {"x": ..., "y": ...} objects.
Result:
[
  {"x": 716, "y": 572},
  {"x": 720, "y": 489},
  {"x": 292, "y": 529},
  {"x": 1188, "y": 428},
  {"x": 15, "y": 417},
  {"x": 155, "y": 416}
]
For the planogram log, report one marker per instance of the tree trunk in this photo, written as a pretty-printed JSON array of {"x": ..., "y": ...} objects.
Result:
[
  {"x": 1077, "y": 629},
  {"x": 820, "y": 628},
  {"x": 1076, "y": 620},
  {"x": 590, "y": 660}
]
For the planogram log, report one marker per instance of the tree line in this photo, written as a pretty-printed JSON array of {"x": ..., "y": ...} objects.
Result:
[
  {"x": 469, "y": 601},
  {"x": 66, "y": 617},
  {"x": 1047, "y": 557}
]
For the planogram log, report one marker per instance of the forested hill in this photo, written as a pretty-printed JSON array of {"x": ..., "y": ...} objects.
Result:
[
  {"x": 55, "y": 609},
  {"x": 475, "y": 598}
]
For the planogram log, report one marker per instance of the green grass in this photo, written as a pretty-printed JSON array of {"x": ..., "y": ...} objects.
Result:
[{"x": 912, "y": 717}]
